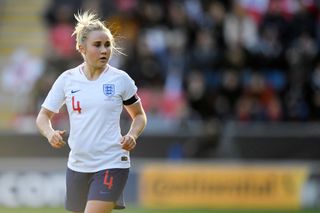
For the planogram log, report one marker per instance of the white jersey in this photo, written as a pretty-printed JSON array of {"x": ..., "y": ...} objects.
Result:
[{"x": 94, "y": 109}]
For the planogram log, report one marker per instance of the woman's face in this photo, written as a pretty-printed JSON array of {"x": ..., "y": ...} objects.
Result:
[{"x": 97, "y": 49}]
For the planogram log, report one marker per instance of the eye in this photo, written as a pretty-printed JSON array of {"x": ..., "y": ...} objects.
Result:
[{"x": 107, "y": 44}]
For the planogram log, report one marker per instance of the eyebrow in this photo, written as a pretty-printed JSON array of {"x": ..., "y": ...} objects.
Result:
[{"x": 100, "y": 41}]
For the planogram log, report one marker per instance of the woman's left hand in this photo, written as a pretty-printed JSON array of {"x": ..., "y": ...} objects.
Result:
[{"x": 128, "y": 142}]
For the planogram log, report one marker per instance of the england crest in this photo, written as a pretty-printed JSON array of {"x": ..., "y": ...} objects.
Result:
[{"x": 109, "y": 89}]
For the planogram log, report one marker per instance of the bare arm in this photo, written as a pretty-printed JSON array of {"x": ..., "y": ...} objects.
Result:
[
  {"x": 55, "y": 137},
  {"x": 139, "y": 121}
]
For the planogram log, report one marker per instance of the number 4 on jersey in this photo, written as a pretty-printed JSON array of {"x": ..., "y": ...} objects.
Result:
[{"x": 76, "y": 108}]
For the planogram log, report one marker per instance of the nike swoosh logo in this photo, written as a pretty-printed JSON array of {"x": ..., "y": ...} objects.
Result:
[{"x": 74, "y": 91}]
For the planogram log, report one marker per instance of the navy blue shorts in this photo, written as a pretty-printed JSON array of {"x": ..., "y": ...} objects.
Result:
[{"x": 105, "y": 185}]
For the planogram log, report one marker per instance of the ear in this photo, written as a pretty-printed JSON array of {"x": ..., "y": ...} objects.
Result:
[{"x": 82, "y": 49}]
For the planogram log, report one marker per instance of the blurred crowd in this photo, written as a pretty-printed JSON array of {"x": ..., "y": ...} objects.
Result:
[{"x": 246, "y": 60}]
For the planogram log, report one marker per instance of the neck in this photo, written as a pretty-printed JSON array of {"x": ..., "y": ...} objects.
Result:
[{"x": 92, "y": 73}]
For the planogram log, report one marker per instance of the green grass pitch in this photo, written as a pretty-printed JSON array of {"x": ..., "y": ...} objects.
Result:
[{"x": 141, "y": 210}]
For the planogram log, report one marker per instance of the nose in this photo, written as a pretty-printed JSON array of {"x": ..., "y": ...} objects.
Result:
[{"x": 103, "y": 49}]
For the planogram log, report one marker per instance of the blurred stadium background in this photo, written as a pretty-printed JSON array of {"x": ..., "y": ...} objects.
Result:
[{"x": 231, "y": 90}]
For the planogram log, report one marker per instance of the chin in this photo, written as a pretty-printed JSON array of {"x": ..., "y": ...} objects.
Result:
[{"x": 102, "y": 64}]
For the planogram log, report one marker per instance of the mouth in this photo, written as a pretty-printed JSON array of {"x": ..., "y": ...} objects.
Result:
[{"x": 103, "y": 58}]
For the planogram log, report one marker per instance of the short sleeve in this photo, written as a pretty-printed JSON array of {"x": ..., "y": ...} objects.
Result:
[
  {"x": 130, "y": 89},
  {"x": 56, "y": 96}
]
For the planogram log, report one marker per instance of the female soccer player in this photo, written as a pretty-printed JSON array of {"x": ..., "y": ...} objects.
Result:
[{"x": 94, "y": 93}]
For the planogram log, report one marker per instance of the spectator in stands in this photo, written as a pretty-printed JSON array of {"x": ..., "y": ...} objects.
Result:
[
  {"x": 239, "y": 28},
  {"x": 228, "y": 94},
  {"x": 94, "y": 93}
]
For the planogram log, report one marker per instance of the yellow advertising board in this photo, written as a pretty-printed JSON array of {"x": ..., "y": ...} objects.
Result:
[{"x": 182, "y": 186}]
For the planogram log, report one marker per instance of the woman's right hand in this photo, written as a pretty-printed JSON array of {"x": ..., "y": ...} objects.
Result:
[{"x": 56, "y": 139}]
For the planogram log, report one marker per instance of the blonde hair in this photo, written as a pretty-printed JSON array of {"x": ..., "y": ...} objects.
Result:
[{"x": 88, "y": 22}]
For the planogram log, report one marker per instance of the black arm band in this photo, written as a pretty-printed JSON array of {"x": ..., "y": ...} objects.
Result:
[{"x": 131, "y": 100}]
